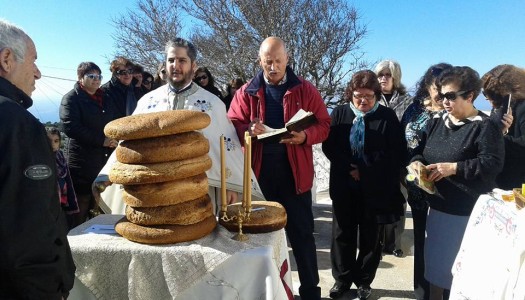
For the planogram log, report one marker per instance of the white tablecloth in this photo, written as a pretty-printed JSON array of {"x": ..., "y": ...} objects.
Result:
[
  {"x": 491, "y": 261},
  {"x": 214, "y": 267}
]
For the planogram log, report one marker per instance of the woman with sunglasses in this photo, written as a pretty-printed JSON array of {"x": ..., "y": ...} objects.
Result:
[
  {"x": 425, "y": 105},
  {"x": 147, "y": 82},
  {"x": 120, "y": 88},
  {"x": 367, "y": 151},
  {"x": 462, "y": 151},
  {"x": 204, "y": 79},
  {"x": 498, "y": 85},
  {"x": 84, "y": 112}
]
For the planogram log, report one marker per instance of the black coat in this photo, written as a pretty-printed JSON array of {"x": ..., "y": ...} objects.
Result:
[
  {"x": 123, "y": 97},
  {"x": 35, "y": 258},
  {"x": 513, "y": 174},
  {"x": 83, "y": 121},
  {"x": 380, "y": 168}
]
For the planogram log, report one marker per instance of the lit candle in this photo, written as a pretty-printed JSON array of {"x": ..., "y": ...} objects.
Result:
[{"x": 223, "y": 177}]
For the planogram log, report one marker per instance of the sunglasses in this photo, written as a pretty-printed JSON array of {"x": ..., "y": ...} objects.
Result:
[
  {"x": 93, "y": 76},
  {"x": 386, "y": 75},
  {"x": 147, "y": 81},
  {"x": 451, "y": 96},
  {"x": 125, "y": 72},
  {"x": 201, "y": 77}
]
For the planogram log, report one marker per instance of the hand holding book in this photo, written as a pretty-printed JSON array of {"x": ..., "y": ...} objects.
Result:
[
  {"x": 299, "y": 122},
  {"x": 418, "y": 173}
]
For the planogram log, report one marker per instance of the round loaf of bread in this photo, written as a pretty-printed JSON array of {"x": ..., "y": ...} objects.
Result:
[
  {"x": 161, "y": 149},
  {"x": 165, "y": 234},
  {"x": 158, "y": 172},
  {"x": 156, "y": 124},
  {"x": 166, "y": 193},
  {"x": 266, "y": 216},
  {"x": 185, "y": 213}
]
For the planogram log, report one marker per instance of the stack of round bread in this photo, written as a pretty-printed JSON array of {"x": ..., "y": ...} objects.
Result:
[{"x": 161, "y": 164}]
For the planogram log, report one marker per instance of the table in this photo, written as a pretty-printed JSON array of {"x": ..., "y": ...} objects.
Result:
[
  {"x": 214, "y": 267},
  {"x": 491, "y": 261}
]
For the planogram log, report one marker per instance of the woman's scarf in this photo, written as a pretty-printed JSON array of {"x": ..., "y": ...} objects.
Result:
[{"x": 357, "y": 133}]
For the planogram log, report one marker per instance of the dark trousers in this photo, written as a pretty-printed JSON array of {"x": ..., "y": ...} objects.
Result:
[
  {"x": 419, "y": 219},
  {"x": 346, "y": 267},
  {"x": 277, "y": 184}
]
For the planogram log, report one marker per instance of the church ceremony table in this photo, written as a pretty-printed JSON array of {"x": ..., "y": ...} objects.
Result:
[
  {"x": 491, "y": 261},
  {"x": 214, "y": 267}
]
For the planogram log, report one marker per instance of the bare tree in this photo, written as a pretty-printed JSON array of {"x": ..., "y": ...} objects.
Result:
[
  {"x": 322, "y": 37},
  {"x": 142, "y": 33}
]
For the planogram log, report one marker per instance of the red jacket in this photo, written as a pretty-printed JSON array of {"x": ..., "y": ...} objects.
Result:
[{"x": 248, "y": 104}]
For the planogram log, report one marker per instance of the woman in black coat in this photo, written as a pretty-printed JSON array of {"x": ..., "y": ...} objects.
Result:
[
  {"x": 367, "y": 150},
  {"x": 84, "y": 112}
]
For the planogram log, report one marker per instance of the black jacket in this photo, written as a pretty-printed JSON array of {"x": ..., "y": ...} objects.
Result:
[
  {"x": 380, "y": 168},
  {"x": 83, "y": 121},
  {"x": 35, "y": 258},
  {"x": 123, "y": 97}
]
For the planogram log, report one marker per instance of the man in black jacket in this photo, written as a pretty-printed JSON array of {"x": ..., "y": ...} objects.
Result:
[{"x": 35, "y": 258}]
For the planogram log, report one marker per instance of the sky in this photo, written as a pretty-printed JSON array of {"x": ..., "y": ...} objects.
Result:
[{"x": 416, "y": 33}]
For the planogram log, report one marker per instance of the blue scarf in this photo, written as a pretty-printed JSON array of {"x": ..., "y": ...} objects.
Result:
[{"x": 357, "y": 133}]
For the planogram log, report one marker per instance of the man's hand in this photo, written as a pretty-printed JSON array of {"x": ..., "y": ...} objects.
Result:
[
  {"x": 111, "y": 143},
  {"x": 231, "y": 197},
  {"x": 256, "y": 127},
  {"x": 298, "y": 138}
]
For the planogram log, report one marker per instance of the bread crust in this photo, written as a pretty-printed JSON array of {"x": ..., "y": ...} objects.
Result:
[
  {"x": 158, "y": 172},
  {"x": 155, "y": 124},
  {"x": 185, "y": 213},
  {"x": 166, "y": 193},
  {"x": 162, "y": 149},
  {"x": 165, "y": 234}
]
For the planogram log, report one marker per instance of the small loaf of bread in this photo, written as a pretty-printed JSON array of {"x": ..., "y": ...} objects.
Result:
[
  {"x": 185, "y": 213},
  {"x": 161, "y": 149},
  {"x": 166, "y": 193},
  {"x": 266, "y": 216},
  {"x": 158, "y": 172},
  {"x": 165, "y": 234},
  {"x": 156, "y": 124}
]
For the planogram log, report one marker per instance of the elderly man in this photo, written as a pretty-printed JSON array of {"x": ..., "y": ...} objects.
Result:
[
  {"x": 35, "y": 258},
  {"x": 285, "y": 170},
  {"x": 182, "y": 93}
]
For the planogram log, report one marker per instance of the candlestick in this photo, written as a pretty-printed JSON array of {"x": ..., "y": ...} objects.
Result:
[
  {"x": 249, "y": 175},
  {"x": 246, "y": 170},
  {"x": 223, "y": 177}
]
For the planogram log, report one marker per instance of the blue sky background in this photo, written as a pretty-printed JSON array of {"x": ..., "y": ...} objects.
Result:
[{"x": 416, "y": 33}]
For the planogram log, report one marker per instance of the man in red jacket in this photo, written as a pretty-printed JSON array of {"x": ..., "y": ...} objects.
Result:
[{"x": 284, "y": 170}]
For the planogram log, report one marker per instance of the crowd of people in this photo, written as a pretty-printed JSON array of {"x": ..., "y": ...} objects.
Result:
[{"x": 370, "y": 141}]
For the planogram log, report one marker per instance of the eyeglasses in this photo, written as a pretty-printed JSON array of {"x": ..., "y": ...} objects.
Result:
[
  {"x": 367, "y": 97},
  {"x": 201, "y": 78},
  {"x": 125, "y": 72},
  {"x": 451, "y": 96},
  {"x": 93, "y": 76},
  {"x": 147, "y": 81},
  {"x": 386, "y": 75}
]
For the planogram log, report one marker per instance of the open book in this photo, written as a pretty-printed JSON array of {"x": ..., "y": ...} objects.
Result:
[
  {"x": 419, "y": 177},
  {"x": 299, "y": 122}
]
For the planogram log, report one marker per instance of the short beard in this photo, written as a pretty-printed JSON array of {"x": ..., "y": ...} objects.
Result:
[{"x": 178, "y": 85}]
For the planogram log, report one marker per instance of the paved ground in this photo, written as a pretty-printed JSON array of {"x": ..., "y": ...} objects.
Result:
[{"x": 394, "y": 276}]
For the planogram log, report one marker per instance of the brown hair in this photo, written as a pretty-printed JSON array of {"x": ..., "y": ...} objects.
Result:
[
  {"x": 120, "y": 62},
  {"x": 365, "y": 79},
  {"x": 503, "y": 80}
]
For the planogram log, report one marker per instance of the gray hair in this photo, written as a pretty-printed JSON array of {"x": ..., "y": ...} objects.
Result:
[
  {"x": 182, "y": 43},
  {"x": 394, "y": 68},
  {"x": 14, "y": 38}
]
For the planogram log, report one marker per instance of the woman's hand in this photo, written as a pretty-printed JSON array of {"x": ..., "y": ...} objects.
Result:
[
  {"x": 355, "y": 172},
  {"x": 438, "y": 171},
  {"x": 507, "y": 121}
]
